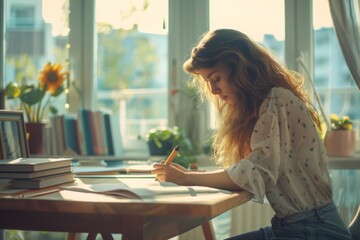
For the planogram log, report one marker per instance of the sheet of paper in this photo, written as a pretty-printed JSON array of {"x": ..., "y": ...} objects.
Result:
[
  {"x": 81, "y": 170},
  {"x": 141, "y": 189}
]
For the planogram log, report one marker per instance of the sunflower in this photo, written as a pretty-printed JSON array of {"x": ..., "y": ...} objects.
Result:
[
  {"x": 37, "y": 101},
  {"x": 52, "y": 77}
]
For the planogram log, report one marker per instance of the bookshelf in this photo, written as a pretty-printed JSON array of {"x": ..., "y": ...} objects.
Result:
[{"x": 87, "y": 135}]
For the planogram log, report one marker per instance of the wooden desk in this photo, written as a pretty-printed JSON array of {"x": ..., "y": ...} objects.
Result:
[{"x": 162, "y": 217}]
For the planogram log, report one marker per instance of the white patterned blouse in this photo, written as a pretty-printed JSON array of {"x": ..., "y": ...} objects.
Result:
[{"x": 288, "y": 162}]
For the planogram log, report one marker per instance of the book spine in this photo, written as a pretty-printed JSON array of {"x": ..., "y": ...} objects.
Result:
[
  {"x": 54, "y": 139},
  {"x": 92, "y": 132},
  {"x": 116, "y": 135},
  {"x": 59, "y": 129},
  {"x": 84, "y": 117},
  {"x": 97, "y": 131},
  {"x": 70, "y": 133},
  {"x": 79, "y": 137},
  {"x": 2, "y": 150},
  {"x": 108, "y": 133},
  {"x": 47, "y": 140}
]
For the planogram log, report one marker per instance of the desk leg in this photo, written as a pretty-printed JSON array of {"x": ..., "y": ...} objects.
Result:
[
  {"x": 208, "y": 231},
  {"x": 71, "y": 236},
  {"x": 131, "y": 232},
  {"x": 105, "y": 236},
  {"x": 91, "y": 236}
]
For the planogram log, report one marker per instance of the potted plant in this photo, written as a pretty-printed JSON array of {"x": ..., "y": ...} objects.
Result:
[
  {"x": 340, "y": 140},
  {"x": 36, "y": 100},
  {"x": 162, "y": 140}
]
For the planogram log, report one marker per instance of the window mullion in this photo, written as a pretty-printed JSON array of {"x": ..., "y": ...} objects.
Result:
[
  {"x": 82, "y": 54},
  {"x": 299, "y": 35},
  {"x": 2, "y": 51},
  {"x": 188, "y": 19}
]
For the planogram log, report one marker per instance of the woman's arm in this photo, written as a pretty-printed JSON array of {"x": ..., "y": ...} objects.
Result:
[{"x": 179, "y": 175}]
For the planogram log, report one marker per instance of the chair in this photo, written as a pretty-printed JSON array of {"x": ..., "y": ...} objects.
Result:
[{"x": 354, "y": 226}]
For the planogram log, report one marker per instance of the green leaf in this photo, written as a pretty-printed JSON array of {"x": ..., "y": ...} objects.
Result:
[
  {"x": 12, "y": 90},
  {"x": 53, "y": 109},
  {"x": 32, "y": 96},
  {"x": 58, "y": 91}
]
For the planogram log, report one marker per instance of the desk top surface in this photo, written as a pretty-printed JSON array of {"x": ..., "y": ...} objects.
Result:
[
  {"x": 161, "y": 217},
  {"x": 54, "y": 200}
]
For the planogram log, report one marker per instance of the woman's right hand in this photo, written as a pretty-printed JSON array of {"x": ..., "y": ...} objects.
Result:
[{"x": 170, "y": 173}]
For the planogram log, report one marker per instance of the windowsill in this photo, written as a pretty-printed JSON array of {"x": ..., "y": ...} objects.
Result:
[
  {"x": 345, "y": 162},
  {"x": 337, "y": 163},
  {"x": 203, "y": 160}
]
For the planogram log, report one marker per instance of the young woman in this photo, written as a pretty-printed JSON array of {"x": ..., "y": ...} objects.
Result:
[{"x": 267, "y": 141}]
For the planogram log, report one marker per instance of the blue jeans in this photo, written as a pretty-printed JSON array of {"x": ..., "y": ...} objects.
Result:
[{"x": 323, "y": 223}]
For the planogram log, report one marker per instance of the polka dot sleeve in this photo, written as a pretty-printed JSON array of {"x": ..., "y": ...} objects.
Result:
[{"x": 262, "y": 164}]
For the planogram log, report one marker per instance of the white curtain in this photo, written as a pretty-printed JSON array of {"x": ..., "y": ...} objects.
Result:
[{"x": 346, "y": 18}]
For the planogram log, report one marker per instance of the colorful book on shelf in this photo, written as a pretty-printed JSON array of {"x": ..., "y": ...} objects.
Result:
[
  {"x": 108, "y": 133},
  {"x": 98, "y": 131},
  {"x": 57, "y": 123},
  {"x": 36, "y": 174},
  {"x": 42, "y": 182},
  {"x": 71, "y": 133},
  {"x": 116, "y": 135},
  {"x": 85, "y": 126},
  {"x": 48, "y": 140},
  {"x": 33, "y": 164}
]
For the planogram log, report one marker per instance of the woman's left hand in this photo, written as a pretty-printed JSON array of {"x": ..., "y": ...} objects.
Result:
[{"x": 170, "y": 173}]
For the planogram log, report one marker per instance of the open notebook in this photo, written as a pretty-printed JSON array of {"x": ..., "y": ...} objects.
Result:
[{"x": 140, "y": 191}]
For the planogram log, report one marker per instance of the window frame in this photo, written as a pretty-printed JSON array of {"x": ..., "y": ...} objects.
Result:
[{"x": 298, "y": 41}]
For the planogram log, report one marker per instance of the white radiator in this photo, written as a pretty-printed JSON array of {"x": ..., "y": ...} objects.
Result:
[
  {"x": 247, "y": 217},
  {"x": 250, "y": 216}
]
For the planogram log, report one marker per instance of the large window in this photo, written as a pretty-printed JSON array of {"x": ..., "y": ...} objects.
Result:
[
  {"x": 249, "y": 16},
  {"x": 36, "y": 32},
  {"x": 250, "y": 19},
  {"x": 132, "y": 63},
  {"x": 337, "y": 89},
  {"x": 339, "y": 94},
  {"x": 132, "y": 52}
]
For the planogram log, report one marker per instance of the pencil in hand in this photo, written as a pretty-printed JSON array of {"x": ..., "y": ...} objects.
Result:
[{"x": 172, "y": 155}]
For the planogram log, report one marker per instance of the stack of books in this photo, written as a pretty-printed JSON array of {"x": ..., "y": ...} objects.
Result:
[{"x": 36, "y": 173}]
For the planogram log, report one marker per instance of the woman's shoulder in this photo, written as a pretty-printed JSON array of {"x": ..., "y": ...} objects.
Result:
[
  {"x": 282, "y": 95},
  {"x": 279, "y": 92},
  {"x": 277, "y": 97}
]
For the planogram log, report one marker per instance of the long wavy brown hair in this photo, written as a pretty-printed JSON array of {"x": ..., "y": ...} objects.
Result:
[{"x": 254, "y": 71}]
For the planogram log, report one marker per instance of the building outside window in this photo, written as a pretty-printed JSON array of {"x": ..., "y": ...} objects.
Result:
[
  {"x": 333, "y": 80},
  {"x": 36, "y": 32},
  {"x": 132, "y": 64}
]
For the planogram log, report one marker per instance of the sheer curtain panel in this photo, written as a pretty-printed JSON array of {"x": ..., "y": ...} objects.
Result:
[{"x": 346, "y": 19}]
